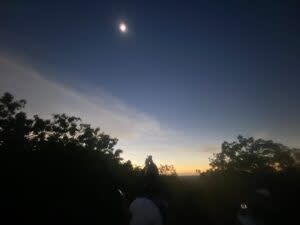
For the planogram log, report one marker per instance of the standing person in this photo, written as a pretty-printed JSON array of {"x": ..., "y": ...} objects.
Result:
[
  {"x": 149, "y": 209},
  {"x": 150, "y": 168}
]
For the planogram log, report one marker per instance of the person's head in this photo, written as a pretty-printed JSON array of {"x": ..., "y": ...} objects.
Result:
[{"x": 148, "y": 160}]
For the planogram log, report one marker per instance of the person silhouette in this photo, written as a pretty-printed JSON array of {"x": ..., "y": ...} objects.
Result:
[
  {"x": 149, "y": 208},
  {"x": 150, "y": 168}
]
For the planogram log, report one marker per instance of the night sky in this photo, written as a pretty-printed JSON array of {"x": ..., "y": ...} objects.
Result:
[{"x": 186, "y": 75}]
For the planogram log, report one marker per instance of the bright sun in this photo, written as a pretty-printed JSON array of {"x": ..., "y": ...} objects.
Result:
[{"x": 123, "y": 27}]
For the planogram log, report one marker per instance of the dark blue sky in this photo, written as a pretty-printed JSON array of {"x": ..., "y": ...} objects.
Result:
[{"x": 214, "y": 67}]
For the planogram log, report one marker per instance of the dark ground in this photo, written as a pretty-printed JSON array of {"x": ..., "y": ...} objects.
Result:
[{"x": 40, "y": 188}]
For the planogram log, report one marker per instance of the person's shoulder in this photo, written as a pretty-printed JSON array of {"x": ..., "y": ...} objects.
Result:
[
  {"x": 141, "y": 203},
  {"x": 135, "y": 202},
  {"x": 140, "y": 206}
]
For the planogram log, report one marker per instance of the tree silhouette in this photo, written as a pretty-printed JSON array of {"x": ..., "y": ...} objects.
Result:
[
  {"x": 14, "y": 125},
  {"x": 62, "y": 132},
  {"x": 63, "y": 166},
  {"x": 167, "y": 170},
  {"x": 251, "y": 155}
]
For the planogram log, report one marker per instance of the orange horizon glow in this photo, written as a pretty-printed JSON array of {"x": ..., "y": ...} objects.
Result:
[
  {"x": 185, "y": 170},
  {"x": 190, "y": 170}
]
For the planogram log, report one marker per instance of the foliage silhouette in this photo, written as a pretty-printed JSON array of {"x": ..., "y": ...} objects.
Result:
[
  {"x": 59, "y": 169},
  {"x": 251, "y": 155},
  {"x": 18, "y": 133},
  {"x": 167, "y": 170}
]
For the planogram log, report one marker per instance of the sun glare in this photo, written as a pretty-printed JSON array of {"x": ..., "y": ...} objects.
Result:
[{"x": 123, "y": 27}]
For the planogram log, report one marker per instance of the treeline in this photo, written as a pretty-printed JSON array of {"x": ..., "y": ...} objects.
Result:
[{"x": 62, "y": 171}]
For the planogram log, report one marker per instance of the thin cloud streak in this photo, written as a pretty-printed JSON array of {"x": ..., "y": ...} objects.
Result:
[
  {"x": 138, "y": 133},
  {"x": 47, "y": 97}
]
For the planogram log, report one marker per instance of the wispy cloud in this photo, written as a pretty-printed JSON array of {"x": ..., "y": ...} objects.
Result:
[
  {"x": 139, "y": 133},
  {"x": 46, "y": 97}
]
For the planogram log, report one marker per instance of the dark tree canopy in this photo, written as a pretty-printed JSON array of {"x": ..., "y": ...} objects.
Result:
[
  {"x": 62, "y": 132},
  {"x": 251, "y": 155},
  {"x": 63, "y": 168}
]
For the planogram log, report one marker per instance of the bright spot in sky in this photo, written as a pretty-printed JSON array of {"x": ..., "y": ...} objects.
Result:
[{"x": 123, "y": 27}]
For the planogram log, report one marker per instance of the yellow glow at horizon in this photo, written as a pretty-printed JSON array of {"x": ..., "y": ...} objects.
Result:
[
  {"x": 184, "y": 170},
  {"x": 190, "y": 169},
  {"x": 185, "y": 160}
]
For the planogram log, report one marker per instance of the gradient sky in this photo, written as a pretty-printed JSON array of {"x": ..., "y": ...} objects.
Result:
[{"x": 185, "y": 77}]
